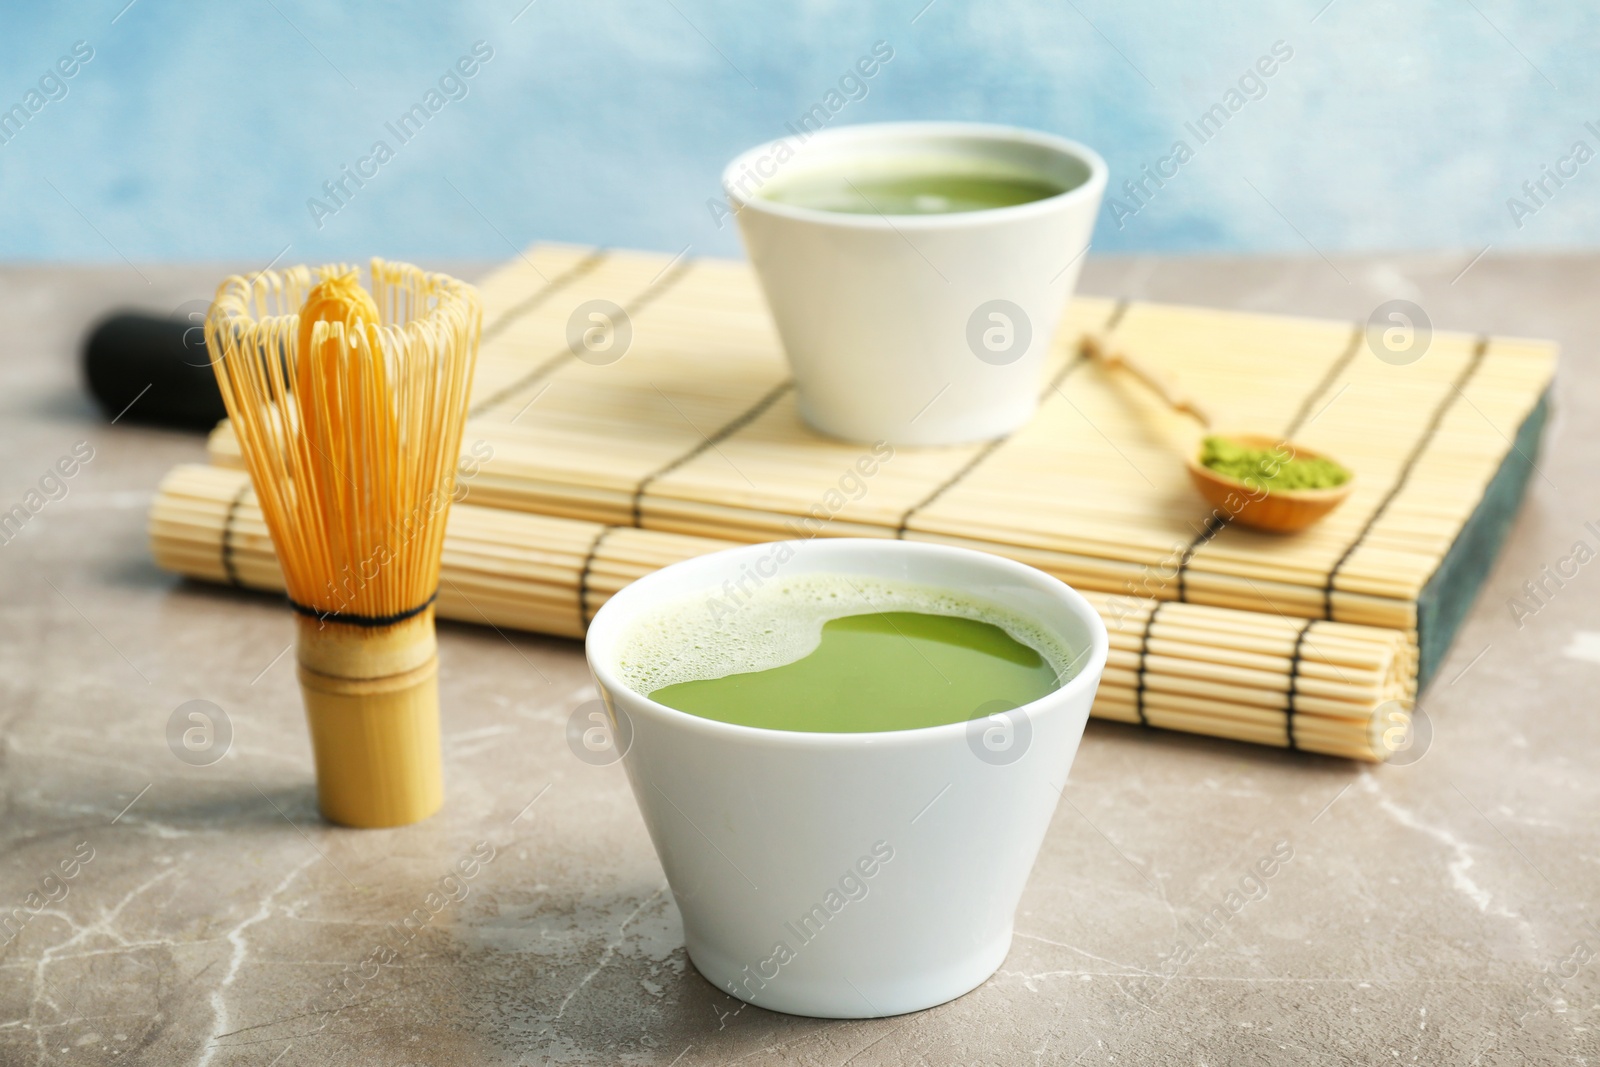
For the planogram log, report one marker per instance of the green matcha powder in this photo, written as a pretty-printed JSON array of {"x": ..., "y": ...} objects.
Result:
[{"x": 1270, "y": 469}]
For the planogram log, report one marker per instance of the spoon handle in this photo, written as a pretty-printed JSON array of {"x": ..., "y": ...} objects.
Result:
[{"x": 1099, "y": 349}]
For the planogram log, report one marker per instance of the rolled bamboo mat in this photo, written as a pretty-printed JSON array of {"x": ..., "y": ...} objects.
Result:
[
  {"x": 1321, "y": 686},
  {"x": 694, "y": 430}
]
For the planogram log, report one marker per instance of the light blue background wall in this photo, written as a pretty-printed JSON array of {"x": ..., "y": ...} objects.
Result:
[{"x": 201, "y": 130}]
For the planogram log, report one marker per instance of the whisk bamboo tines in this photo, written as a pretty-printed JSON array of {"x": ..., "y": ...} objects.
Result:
[{"x": 349, "y": 406}]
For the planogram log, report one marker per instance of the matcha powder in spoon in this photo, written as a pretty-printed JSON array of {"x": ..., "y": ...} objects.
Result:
[{"x": 1271, "y": 469}]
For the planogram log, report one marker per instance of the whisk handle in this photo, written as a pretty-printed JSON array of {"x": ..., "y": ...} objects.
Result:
[{"x": 372, "y": 701}]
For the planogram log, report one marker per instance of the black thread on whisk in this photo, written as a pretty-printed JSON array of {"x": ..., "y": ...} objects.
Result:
[{"x": 371, "y": 622}]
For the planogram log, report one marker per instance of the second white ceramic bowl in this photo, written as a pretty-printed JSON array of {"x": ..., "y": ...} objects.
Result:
[{"x": 918, "y": 329}]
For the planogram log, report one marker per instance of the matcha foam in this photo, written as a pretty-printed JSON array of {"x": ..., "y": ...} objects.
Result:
[{"x": 780, "y": 622}]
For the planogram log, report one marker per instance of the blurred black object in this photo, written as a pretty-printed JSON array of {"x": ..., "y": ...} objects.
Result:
[{"x": 154, "y": 370}]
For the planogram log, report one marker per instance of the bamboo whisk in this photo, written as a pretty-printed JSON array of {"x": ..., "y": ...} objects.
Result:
[{"x": 348, "y": 407}]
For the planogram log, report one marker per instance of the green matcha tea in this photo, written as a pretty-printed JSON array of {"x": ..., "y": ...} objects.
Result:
[
  {"x": 912, "y": 188},
  {"x": 836, "y": 654}
]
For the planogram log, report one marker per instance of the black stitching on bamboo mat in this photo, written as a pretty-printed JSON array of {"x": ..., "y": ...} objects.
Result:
[
  {"x": 1294, "y": 684},
  {"x": 550, "y": 288},
  {"x": 1421, "y": 446},
  {"x": 227, "y": 534},
  {"x": 705, "y": 444},
  {"x": 1337, "y": 368},
  {"x": 1078, "y": 360},
  {"x": 960, "y": 473},
  {"x": 583, "y": 575},
  {"x": 1215, "y": 524},
  {"x": 666, "y": 281},
  {"x": 1144, "y": 651}
]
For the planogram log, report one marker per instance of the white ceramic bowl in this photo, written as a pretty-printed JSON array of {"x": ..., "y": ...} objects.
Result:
[
  {"x": 918, "y": 329},
  {"x": 850, "y": 875}
]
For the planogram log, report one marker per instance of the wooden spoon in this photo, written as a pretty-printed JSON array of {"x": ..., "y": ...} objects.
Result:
[{"x": 1277, "y": 511}]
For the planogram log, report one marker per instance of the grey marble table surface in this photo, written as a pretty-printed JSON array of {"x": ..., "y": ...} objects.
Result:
[{"x": 1442, "y": 912}]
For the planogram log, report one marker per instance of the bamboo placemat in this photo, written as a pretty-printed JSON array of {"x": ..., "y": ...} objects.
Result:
[
  {"x": 695, "y": 430},
  {"x": 1326, "y": 687}
]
